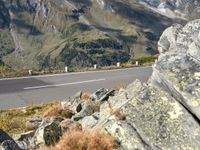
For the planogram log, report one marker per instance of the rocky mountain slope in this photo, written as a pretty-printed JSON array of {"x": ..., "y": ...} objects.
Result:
[
  {"x": 161, "y": 114},
  {"x": 186, "y": 9},
  {"x": 41, "y": 34}
]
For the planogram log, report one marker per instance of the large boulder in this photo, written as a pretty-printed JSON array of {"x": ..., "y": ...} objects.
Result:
[
  {"x": 178, "y": 69},
  {"x": 154, "y": 120}
]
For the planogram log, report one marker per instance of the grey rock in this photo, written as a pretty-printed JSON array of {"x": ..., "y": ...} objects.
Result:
[
  {"x": 88, "y": 122},
  {"x": 25, "y": 140},
  {"x": 76, "y": 97},
  {"x": 88, "y": 108},
  {"x": 77, "y": 117},
  {"x": 106, "y": 95},
  {"x": 47, "y": 134},
  {"x": 99, "y": 94},
  {"x": 79, "y": 107},
  {"x": 7, "y": 143},
  {"x": 96, "y": 115}
]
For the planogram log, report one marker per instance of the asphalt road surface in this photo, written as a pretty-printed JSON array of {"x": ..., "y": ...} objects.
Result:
[{"x": 20, "y": 92}]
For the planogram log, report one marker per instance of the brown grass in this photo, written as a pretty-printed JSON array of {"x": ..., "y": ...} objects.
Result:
[
  {"x": 85, "y": 140},
  {"x": 85, "y": 96},
  {"x": 57, "y": 111},
  {"x": 119, "y": 115},
  {"x": 13, "y": 121},
  {"x": 121, "y": 85}
]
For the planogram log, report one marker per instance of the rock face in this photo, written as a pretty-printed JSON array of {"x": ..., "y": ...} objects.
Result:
[
  {"x": 179, "y": 75},
  {"x": 47, "y": 134},
  {"x": 165, "y": 113}
]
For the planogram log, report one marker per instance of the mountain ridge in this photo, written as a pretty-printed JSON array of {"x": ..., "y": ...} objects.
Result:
[{"x": 50, "y": 34}]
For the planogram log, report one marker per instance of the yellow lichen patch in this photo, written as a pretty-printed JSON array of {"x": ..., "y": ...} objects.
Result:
[
  {"x": 197, "y": 132},
  {"x": 176, "y": 112},
  {"x": 170, "y": 74},
  {"x": 195, "y": 102},
  {"x": 134, "y": 102},
  {"x": 198, "y": 90},
  {"x": 164, "y": 98},
  {"x": 187, "y": 148},
  {"x": 197, "y": 75}
]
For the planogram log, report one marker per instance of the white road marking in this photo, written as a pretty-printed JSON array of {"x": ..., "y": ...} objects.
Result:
[
  {"x": 72, "y": 73},
  {"x": 64, "y": 84}
]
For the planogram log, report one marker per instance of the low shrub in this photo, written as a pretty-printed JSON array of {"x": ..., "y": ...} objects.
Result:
[
  {"x": 57, "y": 111},
  {"x": 85, "y": 140}
]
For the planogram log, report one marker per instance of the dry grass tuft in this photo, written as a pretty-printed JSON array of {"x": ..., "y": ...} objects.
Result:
[
  {"x": 122, "y": 85},
  {"x": 85, "y": 96},
  {"x": 57, "y": 111},
  {"x": 119, "y": 115},
  {"x": 85, "y": 140}
]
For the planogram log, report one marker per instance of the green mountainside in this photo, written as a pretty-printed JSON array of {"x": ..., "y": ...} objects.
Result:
[{"x": 49, "y": 34}]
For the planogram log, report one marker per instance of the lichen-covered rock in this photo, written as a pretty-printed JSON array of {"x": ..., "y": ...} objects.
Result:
[
  {"x": 88, "y": 122},
  {"x": 154, "y": 120},
  {"x": 178, "y": 69},
  {"x": 47, "y": 134}
]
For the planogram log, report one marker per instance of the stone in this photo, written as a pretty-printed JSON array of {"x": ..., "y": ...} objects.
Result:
[
  {"x": 77, "y": 117},
  {"x": 7, "y": 143},
  {"x": 168, "y": 38},
  {"x": 47, "y": 134},
  {"x": 65, "y": 104},
  {"x": 88, "y": 122},
  {"x": 99, "y": 94},
  {"x": 76, "y": 97},
  {"x": 33, "y": 123},
  {"x": 88, "y": 108},
  {"x": 79, "y": 107},
  {"x": 69, "y": 125},
  {"x": 96, "y": 115},
  {"x": 106, "y": 96},
  {"x": 25, "y": 140}
]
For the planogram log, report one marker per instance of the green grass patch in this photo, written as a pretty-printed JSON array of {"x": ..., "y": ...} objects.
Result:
[{"x": 145, "y": 60}]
